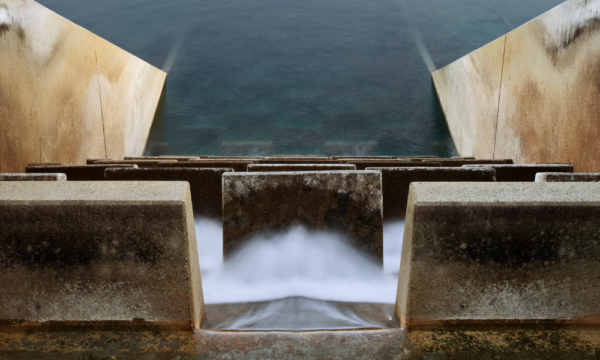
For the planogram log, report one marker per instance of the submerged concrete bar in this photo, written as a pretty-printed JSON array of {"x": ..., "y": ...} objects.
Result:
[
  {"x": 236, "y": 165},
  {"x": 345, "y": 201},
  {"x": 500, "y": 253},
  {"x": 363, "y": 164},
  {"x": 77, "y": 172},
  {"x": 205, "y": 184},
  {"x": 566, "y": 177},
  {"x": 524, "y": 172},
  {"x": 98, "y": 253},
  {"x": 299, "y": 167},
  {"x": 396, "y": 183},
  {"x": 33, "y": 177}
]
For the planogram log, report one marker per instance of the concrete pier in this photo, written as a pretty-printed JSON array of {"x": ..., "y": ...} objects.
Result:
[
  {"x": 76, "y": 172},
  {"x": 500, "y": 253},
  {"x": 566, "y": 177},
  {"x": 345, "y": 201},
  {"x": 98, "y": 253},
  {"x": 299, "y": 167},
  {"x": 524, "y": 172},
  {"x": 33, "y": 177}
]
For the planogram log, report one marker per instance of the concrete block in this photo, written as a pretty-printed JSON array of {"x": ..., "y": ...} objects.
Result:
[
  {"x": 525, "y": 172},
  {"x": 299, "y": 167},
  {"x": 205, "y": 184},
  {"x": 91, "y": 161},
  {"x": 363, "y": 164},
  {"x": 33, "y": 177},
  {"x": 43, "y": 164},
  {"x": 139, "y": 163},
  {"x": 349, "y": 157},
  {"x": 176, "y": 158},
  {"x": 300, "y": 156},
  {"x": 566, "y": 177},
  {"x": 500, "y": 253},
  {"x": 298, "y": 161},
  {"x": 77, "y": 172},
  {"x": 346, "y": 201},
  {"x": 461, "y": 162},
  {"x": 106, "y": 253},
  {"x": 236, "y": 165},
  {"x": 396, "y": 183}
]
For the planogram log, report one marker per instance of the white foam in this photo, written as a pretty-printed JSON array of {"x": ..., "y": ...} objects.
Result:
[{"x": 393, "y": 233}]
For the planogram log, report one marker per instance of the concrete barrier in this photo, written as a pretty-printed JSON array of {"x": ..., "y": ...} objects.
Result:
[
  {"x": 363, "y": 164},
  {"x": 566, "y": 177},
  {"x": 76, "y": 172},
  {"x": 524, "y": 172},
  {"x": 346, "y": 157},
  {"x": 33, "y": 177},
  {"x": 44, "y": 164},
  {"x": 299, "y": 167},
  {"x": 396, "y": 183},
  {"x": 500, "y": 253},
  {"x": 236, "y": 165},
  {"x": 205, "y": 184},
  {"x": 346, "y": 201},
  {"x": 139, "y": 163},
  {"x": 462, "y": 161},
  {"x": 176, "y": 158},
  {"x": 298, "y": 161},
  {"x": 106, "y": 253},
  {"x": 299, "y": 156}
]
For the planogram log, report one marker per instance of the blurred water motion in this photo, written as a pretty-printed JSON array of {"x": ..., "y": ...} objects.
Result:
[{"x": 300, "y": 76}]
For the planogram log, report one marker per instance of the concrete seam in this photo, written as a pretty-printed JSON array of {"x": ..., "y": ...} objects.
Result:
[
  {"x": 101, "y": 110},
  {"x": 499, "y": 97}
]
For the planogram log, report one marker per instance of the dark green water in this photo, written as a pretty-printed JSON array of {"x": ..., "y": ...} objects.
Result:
[{"x": 299, "y": 76}]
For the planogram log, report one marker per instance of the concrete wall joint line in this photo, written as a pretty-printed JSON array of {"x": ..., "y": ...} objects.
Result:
[
  {"x": 101, "y": 110},
  {"x": 499, "y": 97}
]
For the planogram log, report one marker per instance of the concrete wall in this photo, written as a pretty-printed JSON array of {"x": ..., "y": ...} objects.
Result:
[
  {"x": 67, "y": 94},
  {"x": 532, "y": 95}
]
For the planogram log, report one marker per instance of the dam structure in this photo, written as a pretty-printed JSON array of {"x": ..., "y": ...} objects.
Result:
[{"x": 106, "y": 253}]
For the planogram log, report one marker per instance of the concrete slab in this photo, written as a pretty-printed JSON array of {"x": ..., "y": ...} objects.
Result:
[
  {"x": 205, "y": 184},
  {"x": 478, "y": 253},
  {"x": 139, "y": 163},
  {"x": 236, "y": 165},
  {"x": 77, "y": 172},
  {"x": 345, "y": 201},
  {"x": 33, "y": 177},
  {"x": 566, "y": 177},
  {"x": 396, "y": 183},
  {"x": 524, "y": 172},
  {"x": 104, "y": 253},
  {"x": 299, "y": 167},
  {"x": 363, "y": 164}
]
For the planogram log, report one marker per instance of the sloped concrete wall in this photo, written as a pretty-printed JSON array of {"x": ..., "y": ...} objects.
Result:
[
  {"x": 532, "y": 95},
  {"x": 67, "y": 95}
]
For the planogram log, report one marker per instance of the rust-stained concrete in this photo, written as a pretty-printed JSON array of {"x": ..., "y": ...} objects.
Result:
[
  {"x": 33, "y": 177},
  {"x": 299, "y": 167},
  {"x": 76, "y": 172},
  {"x": 566, "y": 177},
  {"x": 205, "y": 184},
  {"x": 363, "y": 164},
  {"x": 345, "y": 201},
  {"x": 500, "y": 252},
  {"x": 396, "y": 182},
  {"x": 531, "y": 95},
  {"x": 98, "y": 253},
  {"x": 524, "y": 172},
  {"x": 67, "y": 94},
  {"x": 236, "y": 165}
]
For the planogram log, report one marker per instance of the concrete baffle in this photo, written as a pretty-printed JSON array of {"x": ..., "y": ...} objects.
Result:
[
  {"x": 458, "y": 162},
  {"x": 33, "y": 177},
  {"x": 139, "y": 163},
  {"x": 205, "y": 184},
  {"x": 236, "y": 165},
  {"x": 396, "y": 182},
  {"x": 102, "y": 253},
  {"x": 524, "y": 172},
  {"x": 363, "y": 164},
  {"x": 500, "y": 253},
  {"x": 567, "y": 177},
  {"x": 76, "y": 172},
  {"x": 298, "y": 167},
  {"x": 345, "y": 201},
  {"x": 297, "y": 160}
]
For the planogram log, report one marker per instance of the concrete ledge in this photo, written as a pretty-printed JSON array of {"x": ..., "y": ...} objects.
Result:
[
  {"x": 176, "y": 158},
  {"x": 33, "y": 177},
  {"x": 297, "y": 160},
  {"x": 76, "y": 172},
  {"x": 139, "y": 163},
  {"x": 396, "y": 182},
  {"x": 205, "y": 184},
  {"x": 363, "y": 164},
  {"x": 566, "y": 177},
  {"x": 236, "y": 165},
  {"x": 500, "y": 253},
  {"x": 346, "y": 201},
  {"x": 524, "y": 172},
  {"x": 98, "y": 253},
  {"x": 464, "y": 161},
  {"x": 299, "y": 167}
]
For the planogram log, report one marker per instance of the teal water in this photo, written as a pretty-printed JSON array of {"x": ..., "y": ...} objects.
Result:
[{"x": 300, "y": 76}]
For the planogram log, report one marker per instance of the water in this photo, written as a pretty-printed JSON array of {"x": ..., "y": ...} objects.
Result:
[{"x": 300, "y": 76}]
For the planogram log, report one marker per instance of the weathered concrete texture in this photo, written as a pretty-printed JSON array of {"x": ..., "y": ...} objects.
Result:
[
  {"x": 299, "y": 167},
  {"x": 363, "y": 164},
  {"x": 98, "y": 252},
  {"x": 91, "y": 98},
  {"x": 139, "y": 163},
  {"x": 524, "y": 173},
  {"x": 77, "y": 172},
  {"x": 531, "y": 95},
  {"x": 461, "y": 162},
  {"x": 396, "y": 183},
  {"x": 33, "y": 177},
  {"x": 205, "y": 184},
  {"x": 236, "y": 165},
  {"x": 566, "y": 177},
  {"x": 500, "y": 252},
  {"x": 345, "y": 201}
]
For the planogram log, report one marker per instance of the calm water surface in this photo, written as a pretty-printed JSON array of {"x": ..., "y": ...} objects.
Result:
[{"x": 300, "y": 76}]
